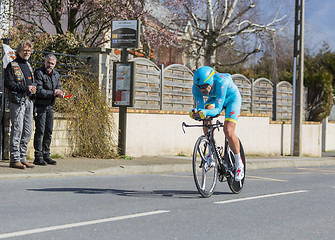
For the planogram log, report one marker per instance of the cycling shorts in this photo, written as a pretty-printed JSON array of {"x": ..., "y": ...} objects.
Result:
[{"x": 232, "y": 106}]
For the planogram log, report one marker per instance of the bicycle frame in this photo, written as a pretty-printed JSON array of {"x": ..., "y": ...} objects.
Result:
[
  {"x": 210, "y": 133},
  {"x": 210, "y": 136}
]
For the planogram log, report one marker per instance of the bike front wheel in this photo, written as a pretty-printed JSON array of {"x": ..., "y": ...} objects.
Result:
[{"x": 205, "y": 174}]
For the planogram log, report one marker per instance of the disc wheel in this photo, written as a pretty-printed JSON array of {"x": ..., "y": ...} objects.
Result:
[
  {"x": 235, "y": 186},
  {"x": 204, "y": 176}
]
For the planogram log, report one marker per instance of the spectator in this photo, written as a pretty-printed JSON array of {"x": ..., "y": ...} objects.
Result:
[
  {"x": 19, "y": 81},
  {"x": 48, "y": 88}
]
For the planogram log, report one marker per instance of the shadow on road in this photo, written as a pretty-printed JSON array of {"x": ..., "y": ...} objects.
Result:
[{"x": 129, "y": 193}]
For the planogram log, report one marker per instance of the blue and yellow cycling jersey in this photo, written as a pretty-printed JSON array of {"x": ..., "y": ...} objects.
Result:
[{"x": 224, "y": 93}]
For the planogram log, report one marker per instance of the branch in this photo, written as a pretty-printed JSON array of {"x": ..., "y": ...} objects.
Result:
[
  {"x": 210, "y": 18},
  {"x": 256, "y": 50},
  {"x": 225, "y": 21},
  {"x": 33, "y": 23},
  {"x": 222, "y": 8},
  {"x": 195, "y": 20}
]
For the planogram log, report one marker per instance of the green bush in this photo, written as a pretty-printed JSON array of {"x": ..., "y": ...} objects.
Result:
[{"x": 61, "y": 43}]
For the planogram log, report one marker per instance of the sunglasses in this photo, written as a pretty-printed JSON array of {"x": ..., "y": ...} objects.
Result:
[{"x": 204, "y": 86}]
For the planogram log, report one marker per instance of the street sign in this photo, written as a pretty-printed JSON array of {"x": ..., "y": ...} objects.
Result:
[
  {"x": 123, "y": 84},
  {"x": 125, "y": 34}
]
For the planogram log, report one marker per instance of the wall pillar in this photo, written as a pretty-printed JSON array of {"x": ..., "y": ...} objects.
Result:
[
  {"x": 324, "y": 134},
  {"x": 98, "y": 59}
]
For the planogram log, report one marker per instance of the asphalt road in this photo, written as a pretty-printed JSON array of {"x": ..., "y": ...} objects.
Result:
[{"x": 295, "y": 203}]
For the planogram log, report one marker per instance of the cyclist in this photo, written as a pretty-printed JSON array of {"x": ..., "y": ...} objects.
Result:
[{"x": 222, "y": 92}]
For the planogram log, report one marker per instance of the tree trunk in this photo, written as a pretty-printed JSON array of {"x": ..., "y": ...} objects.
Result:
[
  {"x": 71, "y": 24},
  {"x": 210, "y": 56}
]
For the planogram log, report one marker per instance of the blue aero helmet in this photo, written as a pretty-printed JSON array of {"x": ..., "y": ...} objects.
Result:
[{"x": 204, "y": 75}]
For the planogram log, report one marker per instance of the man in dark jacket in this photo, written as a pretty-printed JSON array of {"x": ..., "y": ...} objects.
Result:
[
  {"x": 48, "y": 88},
  {"x": 19, "y": 83}
]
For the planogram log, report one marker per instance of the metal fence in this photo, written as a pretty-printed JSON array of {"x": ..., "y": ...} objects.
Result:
[{"x": 65, "y": 62}]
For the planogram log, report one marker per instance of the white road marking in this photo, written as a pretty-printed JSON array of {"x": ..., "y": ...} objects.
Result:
[
  {"x": 80, "y": 224},
  {"x": 262, "y": 196},
  {"x": 176, "y": 176},
  {"x": 318, "y": 170},
  {"x": 264, "y": 178}
]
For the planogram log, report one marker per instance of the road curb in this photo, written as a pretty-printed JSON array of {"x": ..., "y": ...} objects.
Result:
[
  {"x": 145, "y": 169},
  {"x": 253, "y": 164}
]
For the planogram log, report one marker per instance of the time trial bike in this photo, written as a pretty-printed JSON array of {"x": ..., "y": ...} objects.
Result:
[{"x": 221, "y": 165}]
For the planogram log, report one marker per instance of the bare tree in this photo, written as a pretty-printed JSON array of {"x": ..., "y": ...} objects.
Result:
[
  {"x": 234, "y": 24},
  {"x": 89, "y": 19}
]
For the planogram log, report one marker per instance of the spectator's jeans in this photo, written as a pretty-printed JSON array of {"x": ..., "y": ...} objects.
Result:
[
  {"x": 21, "y": 116},
  {"x": 43, "y": 131}
]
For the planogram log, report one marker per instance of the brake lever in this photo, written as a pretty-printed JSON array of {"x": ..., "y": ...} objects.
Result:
[
  {"x": 183, "y": 125},
  {"x": 220, "y": 124}
]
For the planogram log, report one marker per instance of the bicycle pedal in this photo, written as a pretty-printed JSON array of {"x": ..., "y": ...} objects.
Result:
[
  {"x": 221, "y": 178},
  {"x": 220, "y": 150}
]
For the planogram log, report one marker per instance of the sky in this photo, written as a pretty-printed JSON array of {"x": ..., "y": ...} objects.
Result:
[
  {"x": 319, "y": 23},
  {"x": 319, "y": 20}
]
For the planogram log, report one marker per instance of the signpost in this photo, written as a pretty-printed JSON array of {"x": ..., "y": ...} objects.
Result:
[{"x": 125, "y": 34}]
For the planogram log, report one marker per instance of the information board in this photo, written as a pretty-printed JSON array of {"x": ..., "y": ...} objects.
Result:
[
  {"x": 125, "y": 34},
  {"x": 123, "y": 84}
]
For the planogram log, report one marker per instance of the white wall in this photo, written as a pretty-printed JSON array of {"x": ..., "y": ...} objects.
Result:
[
  {"x": 161, "y": 134},
  {"x": 329, "y": 135}
]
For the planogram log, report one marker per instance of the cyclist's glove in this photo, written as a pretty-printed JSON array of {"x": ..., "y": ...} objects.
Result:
[
  {"x": 202, "y": 114},
  {"x": 191, "y": 113}
]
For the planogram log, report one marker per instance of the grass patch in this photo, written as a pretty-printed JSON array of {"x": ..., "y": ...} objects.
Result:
[
  {"x": 56, "y": 156},
  {"x": 126, "y": 157}
]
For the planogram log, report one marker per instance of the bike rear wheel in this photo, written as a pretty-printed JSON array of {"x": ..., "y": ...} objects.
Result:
[
  {"x": 235, "y": 186},
  {"x": 204, "y": 175}
]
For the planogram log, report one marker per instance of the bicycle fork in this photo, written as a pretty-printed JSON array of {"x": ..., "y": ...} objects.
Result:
[
  {"x": 209, "y": 150},
  {"x": 230, "y": 162}
]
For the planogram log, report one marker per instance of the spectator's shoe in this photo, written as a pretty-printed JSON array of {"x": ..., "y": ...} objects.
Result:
[
  {"x": 239, "y": 175},
  {"x": 18, "y": 165},
  {"x": 28, "y": 165},
  {"x": 40, "y": 162},
  {"x": 50, "y": 161}
]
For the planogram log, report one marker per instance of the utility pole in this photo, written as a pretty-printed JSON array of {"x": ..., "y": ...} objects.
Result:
[{"x": 298, "y": 77}]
